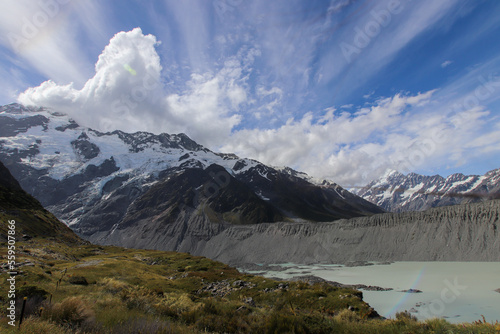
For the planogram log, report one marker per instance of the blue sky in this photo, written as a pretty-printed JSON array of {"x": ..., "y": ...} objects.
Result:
[{"x": 340, "y": 89}]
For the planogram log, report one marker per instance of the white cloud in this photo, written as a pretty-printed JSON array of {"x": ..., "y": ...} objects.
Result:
[
  {"x": 403, "y": 132},
  {"x": 270, "y": 99},
  {"x": 327, "y": 147},
  {"x": 126, "y": 93},
  {"x": 446, "y": 63},
  {"x": 370, "y": 94},
  {"x": 114, "y": 93}
]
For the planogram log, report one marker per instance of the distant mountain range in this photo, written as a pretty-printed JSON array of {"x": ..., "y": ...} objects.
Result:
[
  {"x": 100, "y": 184},
  {"x": 395, "y": 192}
]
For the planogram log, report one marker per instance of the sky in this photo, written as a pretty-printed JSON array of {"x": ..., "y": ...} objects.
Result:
[{"x": 341, "y": 89}]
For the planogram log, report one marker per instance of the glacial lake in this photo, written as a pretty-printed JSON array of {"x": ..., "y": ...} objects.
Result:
[{"x": 455, "y": 291}]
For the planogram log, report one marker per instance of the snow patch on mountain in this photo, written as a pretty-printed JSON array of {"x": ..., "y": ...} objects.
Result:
[{"x": 57, "y": 155}]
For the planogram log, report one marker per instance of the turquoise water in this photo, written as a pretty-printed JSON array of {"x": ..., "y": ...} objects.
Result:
[{"x": 456, "y": 291}]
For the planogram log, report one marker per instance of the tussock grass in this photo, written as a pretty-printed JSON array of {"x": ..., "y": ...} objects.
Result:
[
  {"x": 36, "y": 325},
  {"x": 72, "y": 312}
]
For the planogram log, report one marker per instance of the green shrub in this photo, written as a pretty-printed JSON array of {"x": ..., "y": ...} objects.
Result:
[
  {"x": 347, "y": 315},
  {"x": 35, "y": 299},
  {"x": 281, "y": 322},
  {"x": 406, "y": 317}
]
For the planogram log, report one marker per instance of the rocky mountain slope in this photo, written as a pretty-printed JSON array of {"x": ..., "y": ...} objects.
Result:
[
  {"x": 396, "y": 192},
  {"x": 29, "y": 218},
  {"x": 100, "y": 182},
  {"x": 466, "y": 232}
]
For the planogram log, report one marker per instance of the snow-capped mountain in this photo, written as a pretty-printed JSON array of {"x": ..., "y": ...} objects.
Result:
[
  {"x": 102, "y": 183},
  {"x": 396, "y": 192}
]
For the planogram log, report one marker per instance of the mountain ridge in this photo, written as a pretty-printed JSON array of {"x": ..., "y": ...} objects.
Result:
[
  {"x": 91, "y": 180},
  {"x": 465, "y": 232},
  {"x": 396, "y": 192}
]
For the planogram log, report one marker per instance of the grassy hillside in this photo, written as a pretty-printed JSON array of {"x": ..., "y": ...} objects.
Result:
[
  {"x": 93, "y": 289},
  {"x": 30, "y": 216}
]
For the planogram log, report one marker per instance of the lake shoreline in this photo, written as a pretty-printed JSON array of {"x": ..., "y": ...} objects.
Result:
[{"x": 448, "y": 290}]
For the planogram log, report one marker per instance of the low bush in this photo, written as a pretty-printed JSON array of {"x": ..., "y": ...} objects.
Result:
[
  {"x": 31, "y": 291},
  {"x": 113, "y": 285},
  {"x": 282, "y": 322},
  {"x": 347, "y": 315},
  {"x": 35, "y": 298},
  {"x": 405, "y": 317},
  {"x": 72, "y": 312}
]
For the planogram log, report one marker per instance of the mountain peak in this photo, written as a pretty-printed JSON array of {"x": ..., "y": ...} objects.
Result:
[
  {"x": 414, "y": 192},
  {"x": 391, "y": 174},
  {"x": 16, "y": 108},
  {"x": 91, "y": 179}
]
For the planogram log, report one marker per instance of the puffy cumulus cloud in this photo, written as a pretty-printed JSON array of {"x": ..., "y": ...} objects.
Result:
[
  {"x": 204, "y": 111},
  {"x": 402, "y": 132},
  {"x": 127, "y": 74},
  {"x": 211, "y": 105},
  {"x": 127, "y": 93}
]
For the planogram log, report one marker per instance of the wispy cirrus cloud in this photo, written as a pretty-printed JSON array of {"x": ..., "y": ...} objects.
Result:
[{"x": 43, "y": 35}]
